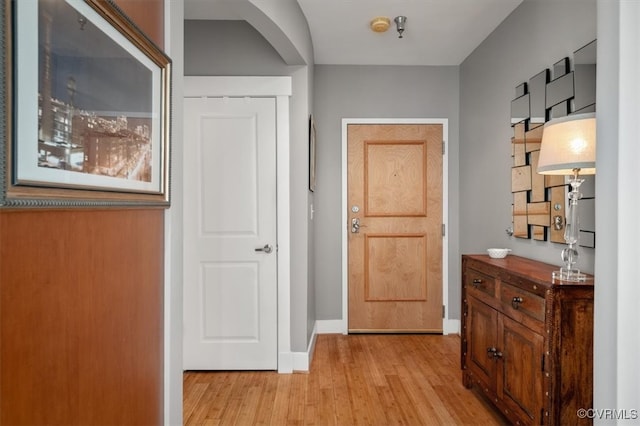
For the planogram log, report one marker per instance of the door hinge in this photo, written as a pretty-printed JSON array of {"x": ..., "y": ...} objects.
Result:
[
  {"x": 543, "y": 358},
  {"x": 444, "y": 229},
  {"x": 444, "y": 148},
  {"x": 444, "y": 311}
]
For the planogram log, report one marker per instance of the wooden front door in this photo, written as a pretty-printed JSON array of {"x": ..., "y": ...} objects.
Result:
[{"x": 395, "y": 220}]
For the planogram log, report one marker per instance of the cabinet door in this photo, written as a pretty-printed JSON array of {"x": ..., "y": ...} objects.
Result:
[
  {"x": 481, "y": 328},
  {"x": 520, "y": 376}
]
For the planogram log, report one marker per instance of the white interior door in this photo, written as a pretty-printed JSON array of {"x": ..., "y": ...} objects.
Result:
[{"x": 230, "y": 247}]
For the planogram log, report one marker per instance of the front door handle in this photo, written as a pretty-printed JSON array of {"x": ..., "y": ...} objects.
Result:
[
  {"x": 266, "y": 249},
  {"x": 355, "y": 225}
]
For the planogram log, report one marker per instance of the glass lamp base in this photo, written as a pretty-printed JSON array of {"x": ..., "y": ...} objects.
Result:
[{"x": 571, "y": 275}]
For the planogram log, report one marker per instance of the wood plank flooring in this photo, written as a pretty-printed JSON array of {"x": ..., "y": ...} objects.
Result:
[{"x": 358, "y": 379}]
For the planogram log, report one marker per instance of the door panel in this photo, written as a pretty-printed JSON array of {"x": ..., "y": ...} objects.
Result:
[
  {"x": 395, "y": 247},
  {"x": 388, "y": 192},
  {"x": 230, "y": 288},
  {"x": 521, "y": 380},
  {"x": 233, "y": 169},
  {"x": 482, "y": 323},
  {"x": 392, "y": 257},
  {"x": 225, "y": 281}
]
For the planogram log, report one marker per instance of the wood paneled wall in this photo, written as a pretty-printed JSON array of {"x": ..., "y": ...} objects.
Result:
[
  {"x": 82, "y": 317},
  {"x": 81, "y": 306},
  {"x": 148, "y": 15}
]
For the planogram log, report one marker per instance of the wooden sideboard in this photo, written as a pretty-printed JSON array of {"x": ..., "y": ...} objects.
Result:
[{"x": 527, "y": 342}]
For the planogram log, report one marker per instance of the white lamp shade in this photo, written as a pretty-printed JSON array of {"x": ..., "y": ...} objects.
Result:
[{"x": 569, "y": 143}]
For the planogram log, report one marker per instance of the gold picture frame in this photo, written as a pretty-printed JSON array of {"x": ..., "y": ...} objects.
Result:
[{"x": 87, "y": 108}]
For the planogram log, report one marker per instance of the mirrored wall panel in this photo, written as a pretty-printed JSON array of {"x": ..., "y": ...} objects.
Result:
[
  {"x": 539, "y": 202},
  {"x": 537, "y": 98},
  {"x": 585, "y": 78},
  {"x": 559, "y": 91}
]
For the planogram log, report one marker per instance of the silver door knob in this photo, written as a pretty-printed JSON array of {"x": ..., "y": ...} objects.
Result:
[{"x": 266, "y": 249}]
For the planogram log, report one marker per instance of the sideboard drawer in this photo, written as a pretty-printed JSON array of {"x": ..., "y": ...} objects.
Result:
[
  {"x": 523, "y": 301},
  {"x": 481, "y": 282}
]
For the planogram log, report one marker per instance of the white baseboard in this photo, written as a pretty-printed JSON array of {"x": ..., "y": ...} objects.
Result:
[
  {"x": 301, "y": 361},
  {"x": 285, "y": 362},
  {"x": 331, "y": 327},
  {"x": 450, "y": 326}
]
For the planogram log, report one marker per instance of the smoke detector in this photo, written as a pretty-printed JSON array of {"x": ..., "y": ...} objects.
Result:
[{"x": 380, "y": 24}]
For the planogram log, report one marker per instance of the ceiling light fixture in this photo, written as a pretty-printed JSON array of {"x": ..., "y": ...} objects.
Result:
[
  {"x": 400, "y": 23},
  {"x": 380, "y": 24}
]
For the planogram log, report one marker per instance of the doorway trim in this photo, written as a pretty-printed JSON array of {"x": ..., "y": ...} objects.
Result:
[
  {"x": 280, "y": 89},
  {"x": 445, "y": 209}
]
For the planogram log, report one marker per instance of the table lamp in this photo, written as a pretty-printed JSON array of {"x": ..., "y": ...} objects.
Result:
[{"x": 569, "y": 148}]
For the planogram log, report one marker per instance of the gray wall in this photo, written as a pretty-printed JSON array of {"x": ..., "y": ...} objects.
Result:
[
  {"x": 475, "y": 97},
  {"x": 235, "y": 48},
  {"x": 617, "y": 341},
  {"x": 373, "y": 92},
  {"x": 228, "y": 48},
  {"x": 534, "y": 37}
]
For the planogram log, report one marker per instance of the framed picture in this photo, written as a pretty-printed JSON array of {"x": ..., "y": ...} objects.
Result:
[
  {"x": 312, "y": 154},
  {"x": 88, "y": 101}
]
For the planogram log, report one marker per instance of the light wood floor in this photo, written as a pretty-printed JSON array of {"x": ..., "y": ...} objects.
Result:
[{"x": 353, "y": 380}]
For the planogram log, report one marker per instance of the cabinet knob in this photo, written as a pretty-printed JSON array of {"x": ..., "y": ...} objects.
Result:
[
  {"x": 494, "y": 353},
  {"x": 516, "y": 301},
  {"x": 476, "y": 282}
]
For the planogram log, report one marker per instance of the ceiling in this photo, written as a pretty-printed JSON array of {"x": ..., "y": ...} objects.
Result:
[{"x": 438, "y": 32}]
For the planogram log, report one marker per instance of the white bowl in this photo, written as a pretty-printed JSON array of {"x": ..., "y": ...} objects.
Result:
[{"x": 498, "y": 253}]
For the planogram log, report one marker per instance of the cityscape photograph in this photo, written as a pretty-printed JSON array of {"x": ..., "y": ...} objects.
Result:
[{"x": 94, "y": 100}]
